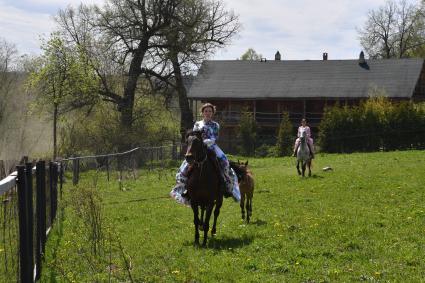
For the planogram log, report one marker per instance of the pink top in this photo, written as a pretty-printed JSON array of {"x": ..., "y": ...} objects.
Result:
[{"x": 306, "y": 129}]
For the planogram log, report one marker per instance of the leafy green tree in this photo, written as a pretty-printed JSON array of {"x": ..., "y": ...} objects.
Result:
[
  {"x": 62, "y": 82},
  {"x": 251, "y": 55},
  {"x": 285, "y": 136}
]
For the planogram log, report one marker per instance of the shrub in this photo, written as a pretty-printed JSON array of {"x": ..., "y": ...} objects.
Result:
[
  {"x": 377, "y": 123},
  {"x": 247, "y": 133},
  {"x": 285, "y": 137}
]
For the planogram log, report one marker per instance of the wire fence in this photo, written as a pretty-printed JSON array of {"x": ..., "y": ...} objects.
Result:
[
  {"x": 125, "y": 165},
  {"x": 29, "y": 205}
]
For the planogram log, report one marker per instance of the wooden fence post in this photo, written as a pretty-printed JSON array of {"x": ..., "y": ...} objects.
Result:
[
  {"x": 24, "y": 260},
  {"x": 30, "y": 219},
  {"x": 107, "y": 167},
  {"x": 41, "y": 214},
  {"x": 75, "y": 171},
  {"x": 2, "y": 170}
]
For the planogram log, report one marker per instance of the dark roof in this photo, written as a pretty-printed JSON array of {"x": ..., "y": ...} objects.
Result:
[{"x": 305, "y": 79}]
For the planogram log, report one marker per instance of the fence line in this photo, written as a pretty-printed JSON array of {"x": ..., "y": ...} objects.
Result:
[
  {"x": 148, "y": 156},
  {"x": 29, "y": 211}
]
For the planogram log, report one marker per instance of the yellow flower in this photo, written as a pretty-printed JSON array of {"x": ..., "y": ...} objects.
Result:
[{"x": 175, "y": 272}]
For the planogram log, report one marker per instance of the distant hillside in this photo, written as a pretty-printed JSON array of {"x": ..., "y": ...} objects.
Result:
[{"x": 21, "y": 132}]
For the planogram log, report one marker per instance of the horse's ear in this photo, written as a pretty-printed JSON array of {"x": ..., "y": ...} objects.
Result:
[{"x": 246, "y": 163}]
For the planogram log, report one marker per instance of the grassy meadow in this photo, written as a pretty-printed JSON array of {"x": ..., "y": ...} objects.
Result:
[{"x": 363, "y": 221}]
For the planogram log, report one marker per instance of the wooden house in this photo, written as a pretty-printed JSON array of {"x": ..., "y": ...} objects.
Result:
[{"x": 300, "y": 87}]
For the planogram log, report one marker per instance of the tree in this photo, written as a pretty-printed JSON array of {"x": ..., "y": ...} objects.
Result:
[
  {"x": 201, "y": 28},
  {"x": 251, "y": 55},
  {"x": 147, "y": 40},
  {"x": 62, "y": 82},
  {"x": 8, "y": 53},
  {"x": 285, "y": 137},
  {"x": 395, "y": 30}
]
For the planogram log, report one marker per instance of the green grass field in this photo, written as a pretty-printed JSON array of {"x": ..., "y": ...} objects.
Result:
[{"x": 363, "y": 221}]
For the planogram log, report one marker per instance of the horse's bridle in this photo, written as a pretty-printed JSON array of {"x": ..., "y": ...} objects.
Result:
[{"x": 200, "y": 164}]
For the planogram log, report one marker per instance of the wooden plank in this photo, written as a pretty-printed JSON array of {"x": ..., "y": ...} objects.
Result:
[{"x": 8, "y": 183}]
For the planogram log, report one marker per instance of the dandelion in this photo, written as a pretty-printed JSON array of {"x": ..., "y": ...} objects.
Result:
[{"x": 175, "y": 272}]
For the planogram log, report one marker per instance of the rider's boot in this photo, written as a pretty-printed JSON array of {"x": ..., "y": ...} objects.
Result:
[
  {"x": 311, "y": 151},
  {"x": 223, "y": 187},
  {"x": 295, "y": 151}
]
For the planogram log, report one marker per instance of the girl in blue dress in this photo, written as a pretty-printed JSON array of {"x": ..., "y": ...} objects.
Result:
[{"x": 210, "y": 130}]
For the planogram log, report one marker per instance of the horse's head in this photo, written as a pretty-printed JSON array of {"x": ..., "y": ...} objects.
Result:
[
  {"x": 240, "y": 168},
  {"x": 303, "y": 136},
  {"x": 196, "y": 149}
]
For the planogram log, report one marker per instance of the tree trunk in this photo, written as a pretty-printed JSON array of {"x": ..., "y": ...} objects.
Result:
[
  {"x": 186, "y": 116},
  {"x": 55, "y": 125},
  {"x": 126, "y": 105}
]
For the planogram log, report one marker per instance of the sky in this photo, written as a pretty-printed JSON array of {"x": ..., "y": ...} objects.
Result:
[{"x": 299, "y": 30}]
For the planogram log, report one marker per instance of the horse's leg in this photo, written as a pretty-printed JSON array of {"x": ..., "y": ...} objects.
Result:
[
  {"x": 248, "y": 209},
  {"x": 298, "y": 167},
  {"x": 216, "y": 213},
  {"x": 196, "y": 222},
  {"x": 207, "y": 224},
  {"x": 303, "y": 168},
  {"x": 201, "y": 220},
  {"x": 309, "y": 168},
  {"x": 242, "y": 204}
]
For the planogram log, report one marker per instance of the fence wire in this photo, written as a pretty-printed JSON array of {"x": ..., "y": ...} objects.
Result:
[{"x": 9, "y": 236}]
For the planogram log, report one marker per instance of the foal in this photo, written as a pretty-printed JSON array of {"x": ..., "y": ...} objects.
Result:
[{"x": 246, "y": 186}]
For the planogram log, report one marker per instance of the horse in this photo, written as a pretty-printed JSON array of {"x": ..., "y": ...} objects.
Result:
[
  {"x": 203, "y": 184},
  {"x": 303, "y": 155},
  {"x": 246, "y": 187}
]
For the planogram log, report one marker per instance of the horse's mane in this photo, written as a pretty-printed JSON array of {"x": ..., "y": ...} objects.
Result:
[{"x": 191, "y": 132}]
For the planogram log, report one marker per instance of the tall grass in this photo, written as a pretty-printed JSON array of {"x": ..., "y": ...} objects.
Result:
[{"x": 363, "y": 221}]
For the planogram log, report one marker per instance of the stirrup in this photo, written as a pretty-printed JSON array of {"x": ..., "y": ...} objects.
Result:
[{"x": 185, "y": 194}]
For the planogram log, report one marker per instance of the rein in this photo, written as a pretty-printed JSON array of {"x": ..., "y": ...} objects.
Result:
[{"x": 200, "y": 164}]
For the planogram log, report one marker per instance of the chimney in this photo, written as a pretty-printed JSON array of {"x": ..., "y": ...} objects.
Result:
[
  {"x": 325, "y": 56},
  {"x": 277, "y": 56},
  {"x": 361, "y": 58}
]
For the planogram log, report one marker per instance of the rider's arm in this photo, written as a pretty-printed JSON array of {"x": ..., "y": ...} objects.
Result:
[{"x": 213, "y": 135}]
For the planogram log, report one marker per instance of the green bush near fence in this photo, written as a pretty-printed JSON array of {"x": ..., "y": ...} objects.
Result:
[
  {"x": 374, "y": 125},
  {"x": 247, "y": 134},
  {"x": 285, "y": 137}
]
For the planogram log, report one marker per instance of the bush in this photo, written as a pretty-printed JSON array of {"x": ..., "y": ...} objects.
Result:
[
  {"x": 247, "y": 133},
  {"x": 375, "y": 124},
  {"x": 285, "y": 137},
  {"x": 99, "y": 132}
]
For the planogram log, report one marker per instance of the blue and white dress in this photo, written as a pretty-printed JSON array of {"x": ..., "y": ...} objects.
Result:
[{"x": 210, "y": 135}]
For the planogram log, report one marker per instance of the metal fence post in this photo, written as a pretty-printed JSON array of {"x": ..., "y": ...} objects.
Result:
[{"x": 24, "y": 267}]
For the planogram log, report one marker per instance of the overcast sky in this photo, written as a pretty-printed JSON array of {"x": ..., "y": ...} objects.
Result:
[{"x": 300, "y": 30}]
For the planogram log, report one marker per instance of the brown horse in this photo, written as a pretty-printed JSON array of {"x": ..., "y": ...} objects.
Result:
[
  {"x": 246, "y": 187},
  {"x": 203, "y": 184}
]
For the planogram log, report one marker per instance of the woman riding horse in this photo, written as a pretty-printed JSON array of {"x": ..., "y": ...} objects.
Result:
[
  {"x": 304, "y": 128},
  {"x": 209, "y": 129}
]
